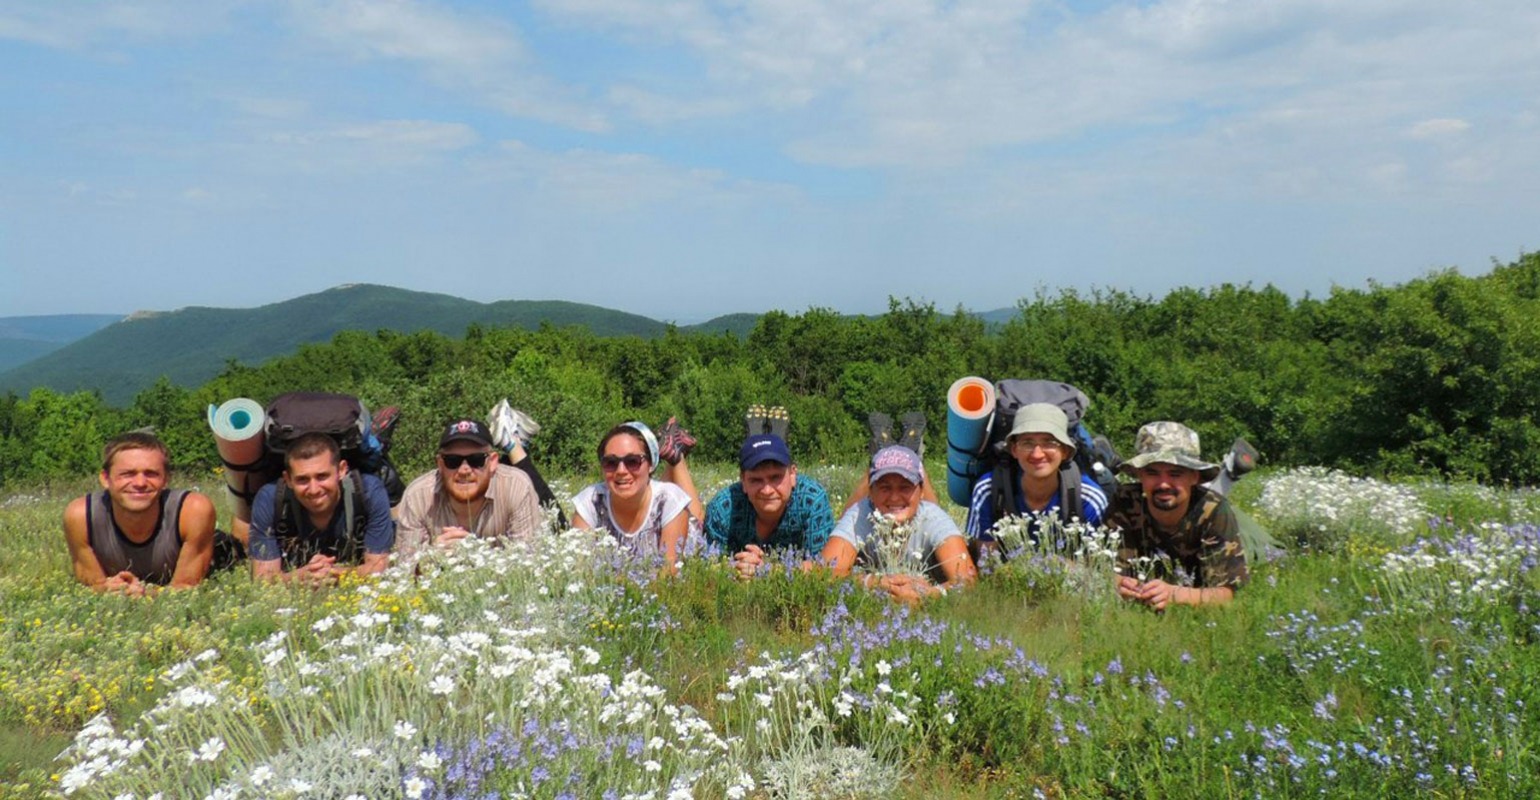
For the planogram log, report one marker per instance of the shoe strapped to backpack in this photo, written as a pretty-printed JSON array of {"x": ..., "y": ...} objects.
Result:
[
  {"x": 912, "y": 435},
  {"x": 755, "y": 422},
  {"x": 777, "y": 421}
]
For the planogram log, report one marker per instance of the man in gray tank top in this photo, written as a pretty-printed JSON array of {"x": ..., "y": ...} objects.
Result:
[{"x": 135, "y": 533}]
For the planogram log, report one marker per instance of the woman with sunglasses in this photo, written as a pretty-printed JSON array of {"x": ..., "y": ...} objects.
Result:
[{"x": 646, "y": 516}]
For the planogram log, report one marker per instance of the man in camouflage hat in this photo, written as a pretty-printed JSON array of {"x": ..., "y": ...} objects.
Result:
[{"x": 1171, "y": 522}]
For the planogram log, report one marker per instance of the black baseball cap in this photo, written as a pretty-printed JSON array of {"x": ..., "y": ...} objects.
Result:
[{"x": 465, "y": 430}]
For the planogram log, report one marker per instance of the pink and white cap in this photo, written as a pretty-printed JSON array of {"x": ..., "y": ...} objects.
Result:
[{"x": 896, "y": 460}]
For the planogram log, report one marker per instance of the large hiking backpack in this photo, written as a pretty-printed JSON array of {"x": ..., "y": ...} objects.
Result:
[
  {"x": 340, "y": 416},
  {"x": 1094, "y": 456}
]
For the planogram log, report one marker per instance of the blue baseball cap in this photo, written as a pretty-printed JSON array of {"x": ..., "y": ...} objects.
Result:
[{"x": 759, "y": 449}]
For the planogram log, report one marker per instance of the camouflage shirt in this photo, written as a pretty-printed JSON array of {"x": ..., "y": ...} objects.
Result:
[{"x": 1206, "y": 544}]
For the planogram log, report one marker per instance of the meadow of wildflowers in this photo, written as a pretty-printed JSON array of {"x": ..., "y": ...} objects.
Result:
[{"x": 1389, "y": 652}]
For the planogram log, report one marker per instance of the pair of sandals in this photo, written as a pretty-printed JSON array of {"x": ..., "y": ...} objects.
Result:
[
  {"x": 911, "y": 432},
  {"x": 773, "y": 420}
]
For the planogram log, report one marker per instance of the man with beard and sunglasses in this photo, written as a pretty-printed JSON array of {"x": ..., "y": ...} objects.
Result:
[
  {"x": 468, "y": 494},
  {"x": 1169, "y": 522}
]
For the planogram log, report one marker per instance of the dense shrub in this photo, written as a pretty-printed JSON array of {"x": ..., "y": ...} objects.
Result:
[{"x": 1440, "y": 375}]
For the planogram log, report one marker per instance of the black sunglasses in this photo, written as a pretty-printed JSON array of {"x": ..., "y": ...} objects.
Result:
[
  {"x": 452, "y": 461},
  {"x": 633, "y": 462}
]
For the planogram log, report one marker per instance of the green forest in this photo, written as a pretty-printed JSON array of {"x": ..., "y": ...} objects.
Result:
[{"x": 1439, "y": 375}]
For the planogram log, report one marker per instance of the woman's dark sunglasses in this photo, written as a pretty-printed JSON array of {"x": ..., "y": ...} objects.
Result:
[
  {"x": 611, "y": 463},
  {"x": 452, "y": 461}
]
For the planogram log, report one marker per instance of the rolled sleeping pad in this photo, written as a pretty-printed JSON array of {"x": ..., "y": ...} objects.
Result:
[
  {"x": 237, "y": 426},
  {"x": 970, "y": 407}
]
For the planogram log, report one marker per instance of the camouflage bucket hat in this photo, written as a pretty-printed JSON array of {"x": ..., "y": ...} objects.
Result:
[{"x": 1169, "y": 443}]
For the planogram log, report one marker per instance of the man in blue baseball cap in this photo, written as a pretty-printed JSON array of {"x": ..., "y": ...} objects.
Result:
[{"x": 770, "y": 507}]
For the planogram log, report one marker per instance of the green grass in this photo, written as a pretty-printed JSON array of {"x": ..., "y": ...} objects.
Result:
[{"x": 1049, "y": 691}]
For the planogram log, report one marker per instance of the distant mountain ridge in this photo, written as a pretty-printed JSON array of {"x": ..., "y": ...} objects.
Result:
[
  {"x": 191, "y": 345},
  {"x": 24, "y": 339}
]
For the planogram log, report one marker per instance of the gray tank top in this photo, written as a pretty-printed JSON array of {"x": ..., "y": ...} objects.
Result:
[{"x": 151, "y": 562}]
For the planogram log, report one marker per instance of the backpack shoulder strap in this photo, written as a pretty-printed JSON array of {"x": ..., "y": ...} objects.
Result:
[
  {"x": 1069, "y": 491},
  {"x": 1003, "y": 487},
  {"x": 283, "y": 505},
  {"x": 354, "y": 511}
]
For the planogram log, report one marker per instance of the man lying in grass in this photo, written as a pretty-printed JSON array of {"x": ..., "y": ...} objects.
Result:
[
  {"x": 469, "y": 494},
  {"x": 320, "y": 519},
  {"x": 1167, "y": 517},
  {"x": 771, "y": 507},
  {"x": 136, "y": 533},
  {"x": 899, "y": 537}
]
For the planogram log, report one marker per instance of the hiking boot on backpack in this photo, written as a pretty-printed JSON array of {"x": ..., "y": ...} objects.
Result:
[
  {"x": 511, "y": 431},
  {"x": 777, "y": 421},
  {"x": 510, "y": 426},
  {"x": 383, "y": 424},
  {"x": 755, "y": 421}
]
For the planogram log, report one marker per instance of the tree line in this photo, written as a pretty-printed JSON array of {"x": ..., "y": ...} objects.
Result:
[{"x": 1439, "y": 375}]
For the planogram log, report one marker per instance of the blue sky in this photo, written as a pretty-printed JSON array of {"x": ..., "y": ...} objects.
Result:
[{"x": 686, "y": 158}]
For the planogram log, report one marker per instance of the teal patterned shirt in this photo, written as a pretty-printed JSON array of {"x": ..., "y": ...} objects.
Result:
[{"x": 805, "y": 525}]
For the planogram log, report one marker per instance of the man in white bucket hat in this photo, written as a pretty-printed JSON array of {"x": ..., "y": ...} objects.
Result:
[
  {"x": 1170, "y": 522},
  {"x": 1039, "y": 490}
]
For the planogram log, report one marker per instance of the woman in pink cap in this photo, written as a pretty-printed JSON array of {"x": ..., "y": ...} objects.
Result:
[{"x": 933, "y": 555}]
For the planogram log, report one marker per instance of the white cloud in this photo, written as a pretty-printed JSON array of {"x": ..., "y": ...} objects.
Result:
[
  {"x": 1390, "y": 176},
  {"x": 271, "y": 107},
  {"x": 1146, "y": 142},
  {"x": 413, "y": 135},
  {"x": 413, "y": 31},
  {"x": 367, "y": 145},
  {"x": 590, "y": 180},
  {"x": 898, "y": 83},
  {"x": 661, "y": 109},
  {"x": 1471, "y": 169},
  {"x": 79, "y": 25},
  {"x": 1438, "y": 128},
  {"x": 480, "y": 55},
  {"x": 420, "y": 135}
]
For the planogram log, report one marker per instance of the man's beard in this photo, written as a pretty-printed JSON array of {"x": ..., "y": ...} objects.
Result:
[
  {"x": 1164, "y": 499},
  {"x": 464, "y": 493}
]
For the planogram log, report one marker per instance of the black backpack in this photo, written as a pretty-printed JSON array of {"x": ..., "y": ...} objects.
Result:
[
  {"x": 1094, "y": 455},
  {"x": 340, "y": 416}
]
